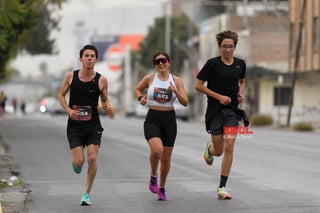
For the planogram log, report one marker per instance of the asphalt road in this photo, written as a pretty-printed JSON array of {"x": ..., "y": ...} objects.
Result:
[{"x": 273, "y": 172}]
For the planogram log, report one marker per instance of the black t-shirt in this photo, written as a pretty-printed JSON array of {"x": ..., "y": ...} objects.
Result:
[{"x": 222, "y": 78}]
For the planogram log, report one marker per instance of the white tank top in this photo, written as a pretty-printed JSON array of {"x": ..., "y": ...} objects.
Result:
[{"x": 158, "y": 94}]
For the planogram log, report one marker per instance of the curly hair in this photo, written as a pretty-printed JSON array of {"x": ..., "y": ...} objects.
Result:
[{"x": 227, "y": 34}]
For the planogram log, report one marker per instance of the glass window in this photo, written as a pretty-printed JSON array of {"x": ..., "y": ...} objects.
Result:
[{"x": 281, "y": 96}]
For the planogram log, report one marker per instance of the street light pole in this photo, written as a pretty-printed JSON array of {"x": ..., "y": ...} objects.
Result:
[
  {"x": 297, "y": 60},
  {"x": 280, "y": 81},
  {"x": 127, "y": 78},
  {"x": 168, "y": 27}
]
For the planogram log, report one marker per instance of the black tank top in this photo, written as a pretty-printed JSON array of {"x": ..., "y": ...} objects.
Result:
[{"x": 85, "y": 93}]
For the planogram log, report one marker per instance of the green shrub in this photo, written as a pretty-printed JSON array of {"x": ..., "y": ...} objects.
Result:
[
  {"x": 3, "y": 184},
  {"x": 261, "y": 120},
  {"x": 191, "y": 97},
  {"x": 303, "y": 126}
]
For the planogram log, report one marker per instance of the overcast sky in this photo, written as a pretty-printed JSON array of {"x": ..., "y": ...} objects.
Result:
[
  {"x": 75, "y": 6},
  {"x": 113, "y": 17}
]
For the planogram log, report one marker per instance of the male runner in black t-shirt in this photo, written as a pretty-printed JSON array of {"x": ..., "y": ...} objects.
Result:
[{"x": 225, "y": 84}]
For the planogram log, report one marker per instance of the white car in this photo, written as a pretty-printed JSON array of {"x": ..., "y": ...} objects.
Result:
[
  {"x": 51, "y": 104},
  {"x": 141, "y": 111},
  {"x": 182, "y": 112}
]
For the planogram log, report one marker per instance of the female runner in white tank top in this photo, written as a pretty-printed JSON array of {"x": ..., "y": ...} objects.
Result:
[{"x": 160, "y": 127}]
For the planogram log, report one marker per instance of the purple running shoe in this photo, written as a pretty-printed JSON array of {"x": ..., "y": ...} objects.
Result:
[
  {"x": 153, "y": 185},
  {"x": 162, "y": 195}
]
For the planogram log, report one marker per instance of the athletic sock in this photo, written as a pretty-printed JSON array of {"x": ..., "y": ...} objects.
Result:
[
  {"x": 162, "y": 189},
  {"x": 153, "y": 179},
  {"x": 223, "y": 181}
]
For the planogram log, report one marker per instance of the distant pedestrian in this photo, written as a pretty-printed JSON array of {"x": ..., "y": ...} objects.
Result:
[
  {"x": 15, "y": 105},
  {"x": 3, "y": 99},
  {"x": 84, "y": 127},
  {"x": 224, "y": 76},
  {"x": 160, "y": 127},
  {"x": 23, "y": 107}
]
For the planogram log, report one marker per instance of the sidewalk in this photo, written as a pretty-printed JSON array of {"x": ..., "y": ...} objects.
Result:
[{"x": 12, "y": 199}]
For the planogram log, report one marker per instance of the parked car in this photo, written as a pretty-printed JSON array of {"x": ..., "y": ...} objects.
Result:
[
  {"x": 131, "y": 110},
  {"x": 50, "y": 104},
  {"x": 47, "y": 104},
  {"x": 182, "y": 112},
  {"x": 141, "y": 111}
]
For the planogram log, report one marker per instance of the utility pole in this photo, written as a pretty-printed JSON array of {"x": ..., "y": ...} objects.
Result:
[
  {"x": 168, "y": 27},
  {"x": 127, "y": 78},
  {"x": 297, "y": 59}
]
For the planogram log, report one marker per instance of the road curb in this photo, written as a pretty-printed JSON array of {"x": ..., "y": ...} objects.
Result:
[{"x": 12, "y": 198}]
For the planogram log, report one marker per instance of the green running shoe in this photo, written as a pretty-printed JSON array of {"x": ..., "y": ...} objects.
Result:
[
  {"x": 85, "y": 200},
  {"x": 76, "y": 169},
  {"x": 208, "y": 158},
  {"x": 223, "y": 194}
]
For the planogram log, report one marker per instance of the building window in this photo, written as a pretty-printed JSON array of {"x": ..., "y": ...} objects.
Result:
[{"x": 281, "y": 96}]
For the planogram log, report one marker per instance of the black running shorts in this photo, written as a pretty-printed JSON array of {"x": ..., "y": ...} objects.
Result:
[
  {"x": 223, "y": 118},
  {"x": 84, "y": 134},
  {"x": 161, "y": 124}
]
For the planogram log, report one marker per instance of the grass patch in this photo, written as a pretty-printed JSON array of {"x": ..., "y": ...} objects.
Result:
[
  {"x": 303, "y": 127},
  {"x": 4, "y": 184},
  {"x": 261, "y": 120}
]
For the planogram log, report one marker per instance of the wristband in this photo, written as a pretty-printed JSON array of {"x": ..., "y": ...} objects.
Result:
[{"x": 140, "y": 97}]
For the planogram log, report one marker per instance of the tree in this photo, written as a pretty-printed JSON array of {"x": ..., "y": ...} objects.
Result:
[
  {"x": 17, "y": 18},
  {"x": 39, "y": 41},
  {"x": 182, "y": 29},
  {"x": 13, "y": 21}
]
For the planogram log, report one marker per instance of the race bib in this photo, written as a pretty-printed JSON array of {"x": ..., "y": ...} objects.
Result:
[
  {"x": 84, "y": 112},
  {"x": 162, "y": 95}
]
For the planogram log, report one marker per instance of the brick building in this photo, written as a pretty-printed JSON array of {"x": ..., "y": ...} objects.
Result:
[
  {"x": 268, "y": 37},
  {"x": 263, "y": 38},
  {"x": 309, "y": 12}
]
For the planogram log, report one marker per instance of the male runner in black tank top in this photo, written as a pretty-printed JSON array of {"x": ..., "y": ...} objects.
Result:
[{"x": 84, "y": 127}]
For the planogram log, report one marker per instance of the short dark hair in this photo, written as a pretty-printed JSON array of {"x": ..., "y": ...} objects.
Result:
[
  {"x": 161, "y": 53},
  {"x": 227, "y": 34},
  {"x": 88, "y": 47}
]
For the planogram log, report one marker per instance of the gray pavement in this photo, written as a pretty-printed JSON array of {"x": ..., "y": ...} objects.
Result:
[{"x": 272, "y": 173}]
